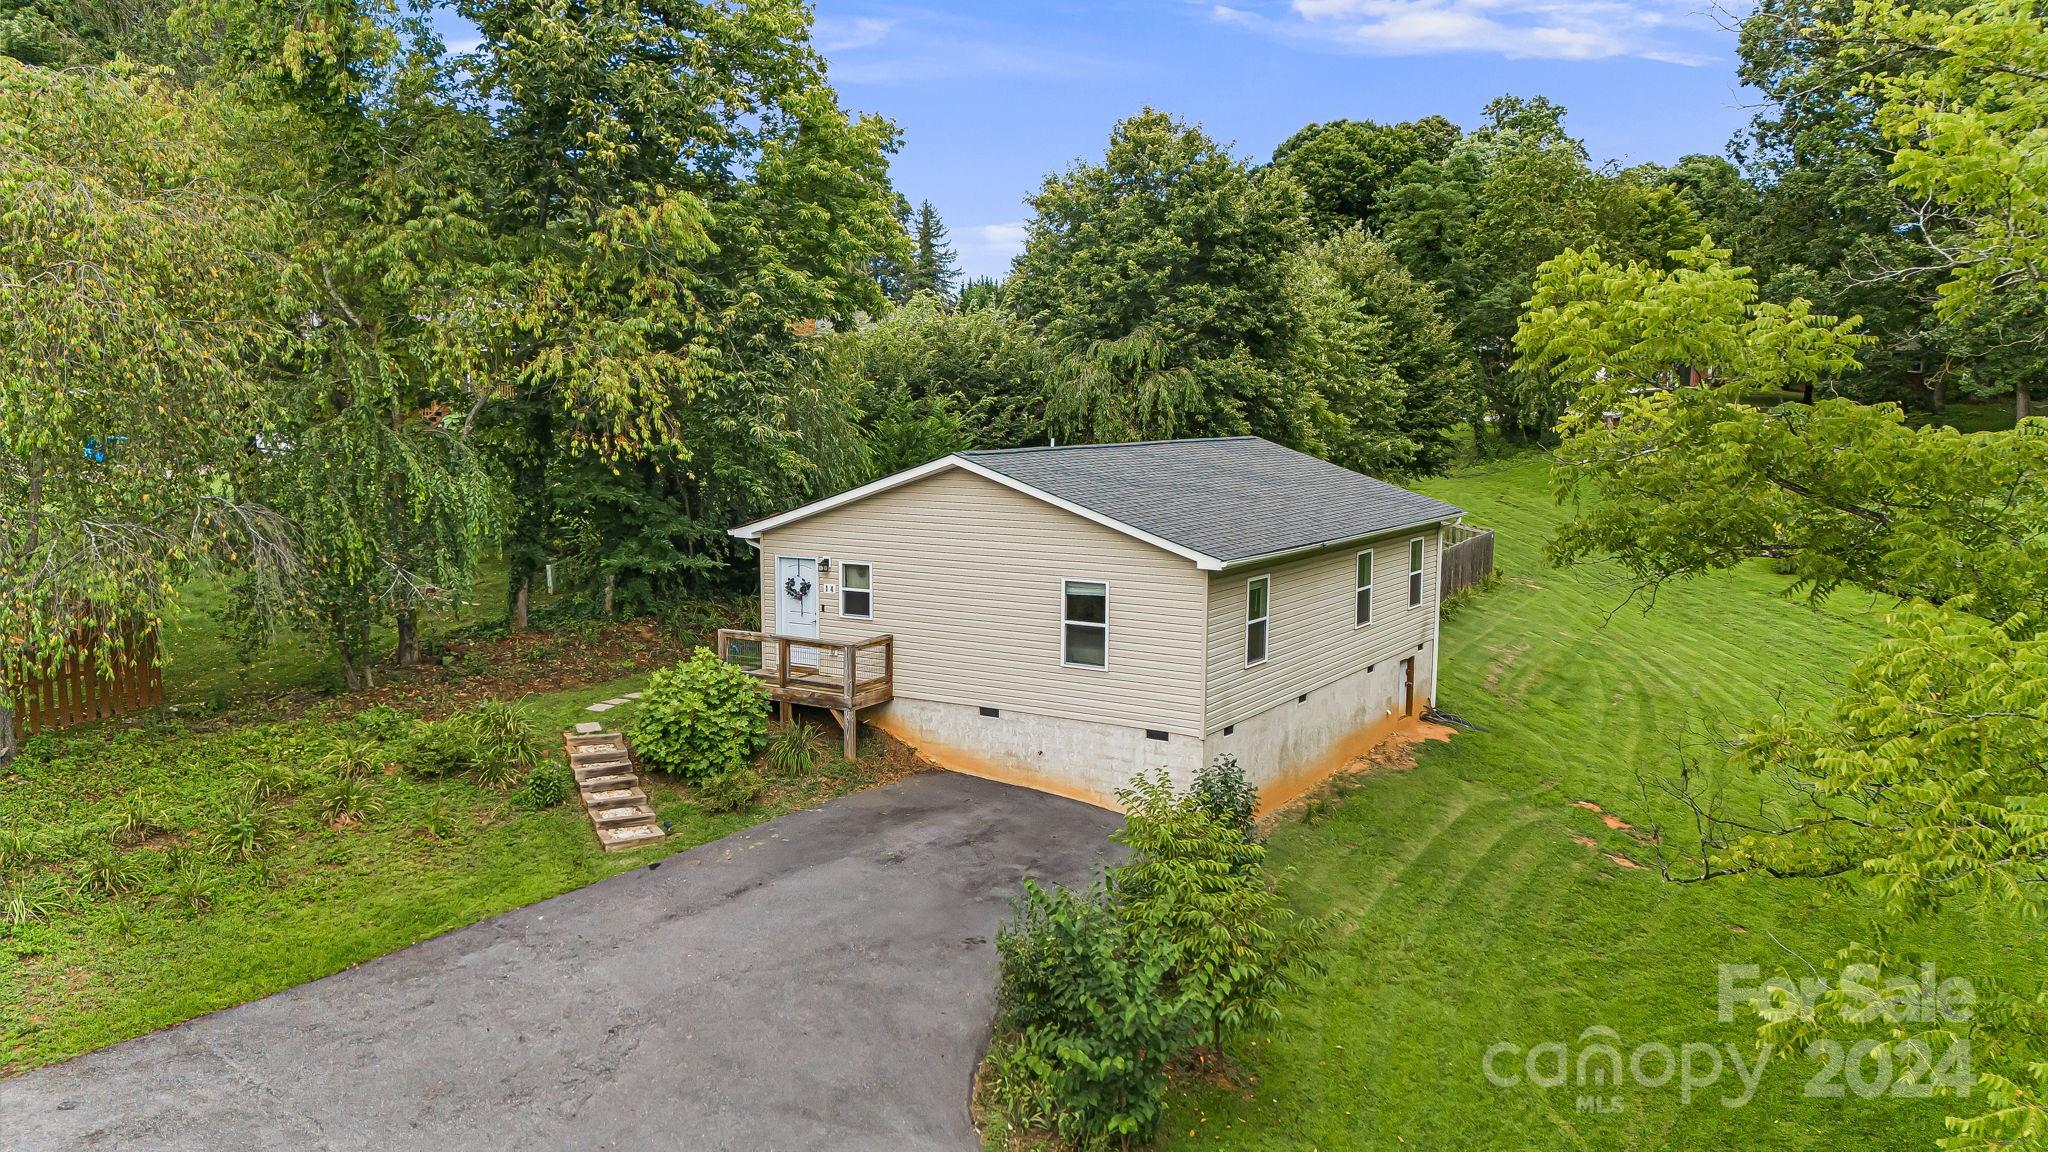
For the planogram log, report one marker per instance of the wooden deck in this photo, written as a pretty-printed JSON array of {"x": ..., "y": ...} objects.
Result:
[{"x": 843, "y": 677}]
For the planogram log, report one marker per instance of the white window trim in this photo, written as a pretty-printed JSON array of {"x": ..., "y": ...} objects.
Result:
[
  {"x": 870, "y": 614},
  {"x": 1064, "y": 662},
  {"x": 1372, "y": 571},
  {"x": 1418, "y": 564},
  {"x": 1250, "y": 620}
]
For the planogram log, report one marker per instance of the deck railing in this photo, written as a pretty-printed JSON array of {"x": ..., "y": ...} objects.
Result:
[
  {"x": 843, "y": 675},
  {"x": 1467, "y": 558}
]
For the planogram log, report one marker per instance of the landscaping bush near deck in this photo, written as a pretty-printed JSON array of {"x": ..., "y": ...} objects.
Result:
[{"x": 701, "y": 719}]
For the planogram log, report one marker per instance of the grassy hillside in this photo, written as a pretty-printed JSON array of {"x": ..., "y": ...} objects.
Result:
[{"x": 1476, "y": 911}]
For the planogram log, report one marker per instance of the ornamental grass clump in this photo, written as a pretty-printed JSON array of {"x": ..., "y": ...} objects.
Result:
[{"x": 700, "y": 719}]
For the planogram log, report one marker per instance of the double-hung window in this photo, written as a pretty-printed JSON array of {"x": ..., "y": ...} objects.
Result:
[
  {"x": 1258, "y": 608},
  {"x": 1415, "y": 572},
  {"x": 1084, "y": 620},
  {"x": 1361, "y": 609},
  {"x": 857, "y": 591}
]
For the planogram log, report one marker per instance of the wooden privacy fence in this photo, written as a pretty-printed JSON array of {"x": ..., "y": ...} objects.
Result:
[
  {"x": 82, "y": 688},
  {"x": 1467, "y": 559}
]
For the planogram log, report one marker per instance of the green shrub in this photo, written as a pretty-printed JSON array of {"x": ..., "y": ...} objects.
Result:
[
  {"x": 18, "y": 847},
  {"x": 1224, "y": 793},
  {"x": 242, "y": 830},
  {"x": 24, "y": 901},
  {"x": 1090, "y": 1018},
  {"x": 1101, "y": 990},
  {"x": 382, "y": 722},
  {"x": 194, "y": 885},
  {"x": 272, "y": 780},
  {"x": 1238, "y": 947},
  {"x": 442, "y": 749},
  {"x": 138, "y": 818},
  {"x": 504, "y": 746},
  {"x": 700, "y": 719},
  {"x": 355, "y": 760},
  {"x": 109, "y": 872},
  {"x": 546, "y": 786},
  {"x": 349, "y": 798},
  {"x": 792, "y": 749},
  {"x": 730, "y": 791}
]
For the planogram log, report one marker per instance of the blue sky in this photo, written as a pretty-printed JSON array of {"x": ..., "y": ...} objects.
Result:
[{"x": 993, "y": 95}]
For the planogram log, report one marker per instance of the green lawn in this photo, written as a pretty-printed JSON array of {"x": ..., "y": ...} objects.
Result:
[
  {"x": 90, "y": 969},
  {"x": 1971, "y": 416},
  {"x": 1472, "y": 916}
]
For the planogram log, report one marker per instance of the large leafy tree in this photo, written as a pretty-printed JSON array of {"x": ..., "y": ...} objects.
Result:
[
  {"x": 681, "y": 195},
  {"x": 1832, "y": 226},
  {"x": 928, "y": 380},
  {"x": 1922, "y": 782},
  {"x": 1156, "y": 273},
  {"x": 1507, "y": 198},
  {"x": 137, "y": 279},
  {"x": 1344, "y": 165},
  {"x": 1372, "y": 344},
  {"x": 373, "y": 459},
  {"x": 1965, "y": 105}
]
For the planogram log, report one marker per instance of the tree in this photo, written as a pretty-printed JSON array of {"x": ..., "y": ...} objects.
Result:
[
  {"x": 377, "y": 465},
  {"x": 137, "y": 284},
  {"x": 1154, "y": 273},
  {"x": 1921, "y": 782},
  {"x": 1963, "y": 105},
  {"x": 934, "y": 266},
  {"x": 1371, "y": 343},
  {"x": 1510, "y": 196},
  {"x": 682, "y": 198},
  {"x": 1343, "y": 166},
  {"x": 927, "y": 381}
]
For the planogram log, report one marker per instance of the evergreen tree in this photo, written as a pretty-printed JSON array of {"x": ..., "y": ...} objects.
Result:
[{"x": 934, "y": 265}]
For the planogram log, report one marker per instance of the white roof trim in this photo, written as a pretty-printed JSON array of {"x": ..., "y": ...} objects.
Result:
[{"x": 753, "y": 531}]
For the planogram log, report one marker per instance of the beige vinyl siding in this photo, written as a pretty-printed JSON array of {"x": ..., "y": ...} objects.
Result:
[
  {"x": 968, "y": 577},
  {"x": 1311, "y": 640}
]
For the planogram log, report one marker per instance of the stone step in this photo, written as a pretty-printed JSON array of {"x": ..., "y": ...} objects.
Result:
[
  {"x": 594, "y": 739},
  {"x": 624, "y": 815},
  {"x": 612, "y": 797},
  {"x": 603, "y": 768},
  {"x": 615, "y": 780},
  {"x": 603, "y": 752},
  {"x": 630, "y": 836}
]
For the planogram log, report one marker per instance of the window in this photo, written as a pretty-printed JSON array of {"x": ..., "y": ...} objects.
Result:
[
  {"x": 1258, "y": 592},
  {"x": 1415, "y": 572},
  {"x": 857, "y": 591},
  {"x": 1086, "y": 622},
  {"x": 1361, "y": 611}
]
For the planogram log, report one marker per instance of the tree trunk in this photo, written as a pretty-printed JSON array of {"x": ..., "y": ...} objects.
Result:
[
  {"x": 611, "y": 581},
  {"x": 1938, "y": 387},
  {"x": 408, "y": 654},
  {"x": 1806, "y": 397},
  {"x": 2022, "y": 400},
  {"x": 520, "y": 588},
  {"x": 8, "y": 745}
]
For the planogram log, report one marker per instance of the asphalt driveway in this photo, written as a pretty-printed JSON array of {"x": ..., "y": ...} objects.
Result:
[{"x": 820, "y": 981}]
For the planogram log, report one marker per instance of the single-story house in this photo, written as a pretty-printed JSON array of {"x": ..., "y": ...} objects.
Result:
[{"x": 1065, "y": 617}]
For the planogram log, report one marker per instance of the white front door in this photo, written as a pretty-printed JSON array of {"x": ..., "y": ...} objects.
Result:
[{"x": 796, "y": 605}]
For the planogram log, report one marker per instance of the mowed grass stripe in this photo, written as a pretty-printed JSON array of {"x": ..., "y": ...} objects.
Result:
[{"x": 1472, "y": 916}]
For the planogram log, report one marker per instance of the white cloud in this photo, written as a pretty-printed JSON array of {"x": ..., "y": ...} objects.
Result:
[
  {"x": 1546, "y": 29},
  {"x": 844, "y": 34},
  {"x": 987, "y": 249}
]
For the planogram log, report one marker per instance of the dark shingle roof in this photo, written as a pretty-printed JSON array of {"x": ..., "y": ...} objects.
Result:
[{"x": 1233, "y": 499}]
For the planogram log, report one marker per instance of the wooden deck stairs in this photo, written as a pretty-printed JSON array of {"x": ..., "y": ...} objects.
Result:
[{"x": 614, "y": 793}]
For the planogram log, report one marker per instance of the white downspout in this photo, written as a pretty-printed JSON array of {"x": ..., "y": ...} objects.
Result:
[{"x": 1436, "y": 625}]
